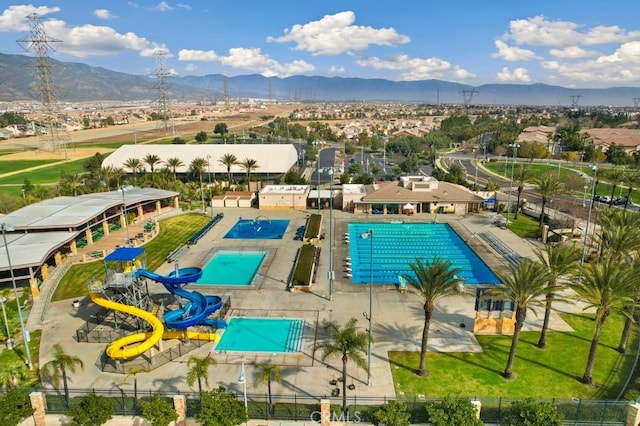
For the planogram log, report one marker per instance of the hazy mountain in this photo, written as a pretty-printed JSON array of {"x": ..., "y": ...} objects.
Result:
[{"x": 80, "y": 82}]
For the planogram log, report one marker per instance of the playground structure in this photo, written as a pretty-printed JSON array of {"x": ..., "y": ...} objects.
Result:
[{"x": 137, "y": 333}]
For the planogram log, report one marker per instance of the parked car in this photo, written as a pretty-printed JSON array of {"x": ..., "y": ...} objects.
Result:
[{"x": 620, "y": 201}]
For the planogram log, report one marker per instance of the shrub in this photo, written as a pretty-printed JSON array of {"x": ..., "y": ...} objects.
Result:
[
  {"x": 159, "y": 411},
  {"x": 532, "y": 413},
  {"x": 92, "y": 411},
  {"x": 14, "y": 407},
  {"x": 453, "y": 411}
]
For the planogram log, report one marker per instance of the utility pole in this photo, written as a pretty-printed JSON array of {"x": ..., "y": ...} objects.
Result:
[{"x": 164, "y": 102}]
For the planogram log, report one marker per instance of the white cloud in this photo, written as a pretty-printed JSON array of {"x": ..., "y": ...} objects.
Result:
[
  {"x": 572, "y": 52},
  {"x": 520, "y": 75},
  {"x": 336, "y": 70},
  {"x": 336, "y": 34},
  {"x": 163, "y": 6},
  {"x": 197, "y": 55},
  {"x": 13, "y": 18},
  {"x": 102, "y": 14},
  {"x": 184, "y": 6},
  {"x": 416, "y": 68},
  {"x": 512, "y": 53},
  {"x": 190, "y": 67}
]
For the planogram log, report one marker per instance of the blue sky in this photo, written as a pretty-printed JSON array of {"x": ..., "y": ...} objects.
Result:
[{"x": 569, "y": 43}]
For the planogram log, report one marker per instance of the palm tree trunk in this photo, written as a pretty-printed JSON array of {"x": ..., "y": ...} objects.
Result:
[
  {"x": 344, "y": 386},
  {"x": 199, "y": 385},
  {"x": 270, "y": 400},
  {"x": 428, "y": 313},
  {"x": 542, "y": 341},
  {"x": 587, "y": 378},
  {"x": 544, "y": 204},
  {"x": 626, "y": 203},
  {"x": 520, "y": 318},
  {"x": 518, "y": 203},
  {"x": 613, "y": 194},
  {"x": 66, "y": 386},
  {"x": 626, "y": 330}
]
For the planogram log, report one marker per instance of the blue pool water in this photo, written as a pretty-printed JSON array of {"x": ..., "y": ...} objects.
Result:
[
  {"x": 259, "y": 228},
  {"x": 232, "y": 268},
  {"x": 395, "y": 245},
  {"x": 262, "y": 335}
]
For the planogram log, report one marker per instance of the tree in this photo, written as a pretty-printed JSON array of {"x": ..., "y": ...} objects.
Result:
[
  {"x": 615, "y": 177},
  {"x": 453, "y": 411},
  {"x": 159, "y": 411},
  {"x": 201, "y": 137},
  {"x": 393, "y": 413},
  {"x": 133, "y": 164},
  {"x": 228, "y": 160},
  {"x": 221, "y": 129},
  {"x": 523, "y": 285},
  {"x": 560, "y": 260},
  {"x": 219, "y": 408},
  {"x": 548, "y": 186},
  {"x": 173, "y": 163},
  {"x": 197, "y": 167},
  {"x": 248, "y": 165},
  {"x": 57, "y": 369},
  {"x": 532, "y": 413},
  {"x": 349, "y": 343},
  {"x": 151, "y": 160},
  {"x": 433, "y": 281},
  {"x": 199, "y": 371},
  {"x": 92, "y": 411},
  {"x": 607, "y": 287},
  {"x": 522, "y": 175},
  {"x": 268, "y": 373},
  {"x": 15, "y": 406}
]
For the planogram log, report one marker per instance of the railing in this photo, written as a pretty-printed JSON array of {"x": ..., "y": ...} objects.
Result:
[
  {"x": 54, "y": 280},
  {"x": 501, "y": 248}
]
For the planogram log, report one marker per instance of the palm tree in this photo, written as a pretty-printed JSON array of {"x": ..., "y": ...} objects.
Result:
[
  {"x": 620, "y": 234},
  {"x": 57, "y": 368},
  {"x": 525, "y": 284},
  {"x": 73, "y": 181},
  {"x": 151, "y": 160},
  {"x": 197, "y": 167},
  {"x": 522, "y": 175},
  {"x": 199, "y": 371},
  {"x": 348, "y": 343},
  {"x": 608, "y": 287},
  {"x": 615, "y": 177},
  {"x": 560, "y": 260},
  {"x": 249, "y": 164},
  {"x": 228, "y": 160},
  {"x": 133, "y": 164},
  {"x": 632, "y": 179},
  {"x": 548, "y": 186},
  {"x": 173, "y": 163},
  {"x": 433, "y": 280},
  {"x": 268, "y": 372}
]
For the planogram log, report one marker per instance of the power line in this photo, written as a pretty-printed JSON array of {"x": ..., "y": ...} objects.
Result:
[{"x": 162, "y": 87}]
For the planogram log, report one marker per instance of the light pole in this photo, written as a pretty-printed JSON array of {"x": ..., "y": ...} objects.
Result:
[
  {"x": 3, "y": 300},
  {"x": 330, "y": 171},
  {"x": 584, "y": 196},
  {"x": 243, "y": 380},
  {"x": 209, "y": 174},
  {"x": 586, "y": 229},
  {"x": 515, "y": 147},
  {"x": 318, "y": 172},
  {"x": 369, "y": 315},
  {"x": 25, "y": 333}
]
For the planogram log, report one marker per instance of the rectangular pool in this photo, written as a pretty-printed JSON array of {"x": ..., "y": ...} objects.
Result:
[
  {"x": 260, "y": 228},
  {"x": 233, "y": 268},
  {"x": 387, "y": 254},
  {"x": 262, "y": 335}
]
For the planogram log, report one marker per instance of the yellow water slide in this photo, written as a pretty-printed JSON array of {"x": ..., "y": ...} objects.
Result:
[{"x": 122, "y": 348}]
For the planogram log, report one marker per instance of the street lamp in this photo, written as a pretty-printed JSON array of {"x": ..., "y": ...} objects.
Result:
[
  {"x": 25, "y": 333},
  {"x": 515, "y": 147},
  {"x": 209, "y": 174},
  {"x": 593, "y": 194},
  {"x": 584, "y": 196},
  {"x": 369, "y": 315},
  {"x": 331, "y": 274},
  {"x": 243, "y": 380},
  {"x": 3, "y": 300}
]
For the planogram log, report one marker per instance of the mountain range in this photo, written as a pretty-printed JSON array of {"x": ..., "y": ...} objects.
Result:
[{"x": 77, "y": 82}]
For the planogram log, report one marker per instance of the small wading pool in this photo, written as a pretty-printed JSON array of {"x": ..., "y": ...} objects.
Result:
[
  {"x": 237, "y": 268},
  {"x": 258, "y": 229},
  {"x": 262, "y": 335}
]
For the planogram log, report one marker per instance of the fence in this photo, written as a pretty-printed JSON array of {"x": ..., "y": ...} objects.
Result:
[{"x": 306, "y": 408}]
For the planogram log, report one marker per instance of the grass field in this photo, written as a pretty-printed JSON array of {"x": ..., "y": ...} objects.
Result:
[
  {"x": 548, "y": 373},
  {"x": 15, "y": 165},
  {"x": 45, "y": 175}
]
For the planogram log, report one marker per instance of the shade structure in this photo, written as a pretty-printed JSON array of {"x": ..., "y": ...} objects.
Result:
[{"x": 408, "y": 206}]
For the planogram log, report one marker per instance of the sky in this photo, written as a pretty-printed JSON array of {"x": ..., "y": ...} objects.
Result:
[{"x": 570, "y": 43}]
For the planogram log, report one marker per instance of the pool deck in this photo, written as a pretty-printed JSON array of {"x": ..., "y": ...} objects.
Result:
[{"x": 397, "y": 317}]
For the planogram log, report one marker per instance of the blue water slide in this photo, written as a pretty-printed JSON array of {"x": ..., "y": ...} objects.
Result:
[{"x": 198, "y": 307}]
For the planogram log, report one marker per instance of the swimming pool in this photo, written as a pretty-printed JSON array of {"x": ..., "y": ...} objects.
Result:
[
  {"x": 227, "y": 267},
  {"x": 395, "y": 245},
  {"x": 262, "y": 335},
  {"x": 258, "y": 228}
]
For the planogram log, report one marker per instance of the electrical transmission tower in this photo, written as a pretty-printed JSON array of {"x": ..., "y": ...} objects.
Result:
[
  {"x": 162, "y": 87},
  {"x": 636, "y": 102},
  {"x": 225, "y": 84},
  {"x": 574, "y": 101},
  {"x": 39, "y": 43},
  {"x": 467, "y": 97}
]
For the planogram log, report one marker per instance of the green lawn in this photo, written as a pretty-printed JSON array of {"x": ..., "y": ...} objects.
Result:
[
  {"x": 549, "y": 373},
  {"x": 524, "y": 226},
  {"x": 45, "y": 175},
  {"x": 10, "y": 359},
  {"x": 13, "y": 165},
  {"x": 173, "y": 232}
]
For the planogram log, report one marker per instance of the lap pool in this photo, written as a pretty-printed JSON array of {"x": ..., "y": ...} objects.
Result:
[
  {"x": 385, "y": 252},
  {"x": 232, "y": 268},
  {"x": 262, "y": 335}
]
